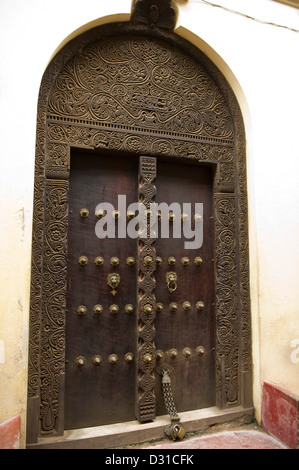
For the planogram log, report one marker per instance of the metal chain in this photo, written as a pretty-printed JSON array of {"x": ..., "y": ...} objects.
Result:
[{"x": 168, "y": 397}]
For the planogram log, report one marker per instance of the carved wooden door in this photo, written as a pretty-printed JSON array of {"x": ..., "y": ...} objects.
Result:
[{"x": 125, "y": 318}]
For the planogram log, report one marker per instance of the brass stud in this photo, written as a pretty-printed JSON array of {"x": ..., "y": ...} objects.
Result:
[
  {"x": 84, "y": 213},
  {"x": 130, "y": 215},
  {"x": 114, "y": 261},
  {"x": 129, "y": 357},
  {"x": 113, "y": 359},
  {"x": 185, "y": 261},
  {"x": 148, "y": 213},
  {"x": 173, "y": 307},
  {"x": 200, "y": 305},
  {"x": 198, "y": 260},
  {"x": 186, "y": 305},
  {"x": 130, "y": 261},
  {"x": 187, "y": 352},
  {"x": 116, "y": 214},
  {"x": 159, "y": 307},
  {"x": 97, "y": 360},
  {"x": 200, "y": 350},
  {"x": 148, "y": 260},
  {"x": 171, "y": 260},
  {"x": 129, "y": 308},
  {"x": 113, "y": 309},
  {"x": 81, "y": 310},
  {"x": 197, "y": 217},
  {"x": 83, "y": 260},
  {"x": 148, "y": 309},
  {"x": 159, "y": 354},
  {"x": 171, "y": 216},
  {"x": 100, "y": 213},
  {"x": 173, "y": 353},
  {"x": 158, "y": 260},
  {"x": 184, "y": 216},
  {"x": 97, "y": 309},
  {"x": 99, "y": 261},
  {"x": 147, "y": 358},
  {"x": 80, "y": 361}
]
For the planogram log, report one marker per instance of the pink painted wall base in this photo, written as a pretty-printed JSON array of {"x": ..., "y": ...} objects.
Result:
[
  {"x": 280, "y": 414},
  {"x": 10, "y": 433}
]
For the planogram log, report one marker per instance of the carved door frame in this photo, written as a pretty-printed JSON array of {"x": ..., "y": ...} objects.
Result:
[{"x": 54, "y": 141}]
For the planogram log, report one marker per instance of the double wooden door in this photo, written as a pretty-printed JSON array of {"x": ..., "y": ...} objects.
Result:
[{"x": 102, "y": 343}]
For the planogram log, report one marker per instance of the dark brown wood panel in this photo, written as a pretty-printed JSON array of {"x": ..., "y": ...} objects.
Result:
[
  {"x": 105, "y": 393},
  {"x": 193, "y": 379}
]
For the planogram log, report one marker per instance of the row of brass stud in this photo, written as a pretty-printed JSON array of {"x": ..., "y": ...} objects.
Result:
[
  {"x": 173, "y": 352},
  {"x": 173, "y": 306},
  {"x": 114, "y": 261},
  {"x": 129, "y": 308},
  {"x": 99, "y": 261},
  {"x": 98, "y": 309},
  {"x": 185, "y": 260},
  {"x": 131, "y": 214},
  {"x": 97, "y": 359},
  {"x": 148, "y": 358}
]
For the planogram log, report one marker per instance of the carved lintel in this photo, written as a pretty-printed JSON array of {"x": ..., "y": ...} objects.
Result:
[{"x": 154, "y": 13}]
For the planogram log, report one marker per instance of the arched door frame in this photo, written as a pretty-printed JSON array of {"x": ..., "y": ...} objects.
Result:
[{"x": 50, "y": 220}]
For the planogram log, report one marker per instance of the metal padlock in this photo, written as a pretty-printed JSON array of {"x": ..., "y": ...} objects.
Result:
[{"x": 177, "y": 431}]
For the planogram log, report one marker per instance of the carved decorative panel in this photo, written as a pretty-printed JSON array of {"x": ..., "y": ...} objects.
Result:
[
  {"x": 145, "y": 404},
  {"x": 142, "y": 90},
  {"x": 139, "y": 85}
]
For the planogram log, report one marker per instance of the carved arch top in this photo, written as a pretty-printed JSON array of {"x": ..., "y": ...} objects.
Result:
[{"x": 142, "y": 84}]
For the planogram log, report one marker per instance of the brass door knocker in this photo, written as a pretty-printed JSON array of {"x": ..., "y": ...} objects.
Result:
[
  {"x": 171, "y": 281},
  {"x": 113, "y": 282}
]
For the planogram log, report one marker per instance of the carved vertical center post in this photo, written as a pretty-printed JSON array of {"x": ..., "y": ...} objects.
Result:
[{"x": 145, "y": 381}]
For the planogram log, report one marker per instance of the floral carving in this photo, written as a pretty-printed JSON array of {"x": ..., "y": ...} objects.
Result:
[{"x": 133, "y": 81}]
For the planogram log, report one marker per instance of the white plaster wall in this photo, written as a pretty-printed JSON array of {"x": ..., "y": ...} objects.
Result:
[
  {"x": 259, "y": 46},
  {"x": 260, "y": 61}
]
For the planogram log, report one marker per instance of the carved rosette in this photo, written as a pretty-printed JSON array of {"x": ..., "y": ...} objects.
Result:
[{"x": 146, "y": 402}]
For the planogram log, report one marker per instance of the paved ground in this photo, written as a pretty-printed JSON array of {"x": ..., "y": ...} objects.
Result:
[
  {"x": 247, "y": 436},
  {"x": 233, "y": 439}
]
